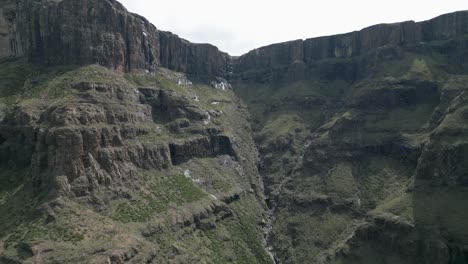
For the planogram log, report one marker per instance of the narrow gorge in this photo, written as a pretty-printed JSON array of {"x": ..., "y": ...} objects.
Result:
[{"x": 122, "y": 143}]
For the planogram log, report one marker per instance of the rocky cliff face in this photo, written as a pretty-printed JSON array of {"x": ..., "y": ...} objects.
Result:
[
  {"x": 102, "y": 32},
  {"x": 141, "y": 168},
  {"x": 297, "y": 59},
  {"x": 200, "y": 59},
  {"x": 8, "y": 31}
]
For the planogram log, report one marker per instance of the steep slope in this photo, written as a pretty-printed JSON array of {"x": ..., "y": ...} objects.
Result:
[
  {"x": 126, "y": 168},
  {"x": 363, "y": 143}
]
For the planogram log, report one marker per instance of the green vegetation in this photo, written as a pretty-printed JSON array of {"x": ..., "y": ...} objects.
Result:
[
  {"x": 21, "y": 81},
  {"x": 380, "y": 179},
  {"x": 38, "y": 229},
  {"x": 10, "y": 182},
  {"x": 340, "y": 182},
  {"x": 138, "y": 211},
  {"x": 268, "y": 101},
  {"x": 241, "y": 234},
  {"x": 236, "y": 239},
  {"x": 302, "y": 236},
  {"x": 282, "y": 125},
  {"x": 19, "y": 219},
  {"x": 453, "y": 125},
  {"x": 161, "y": 192},
  {"x": 57, "y": 82},
  {"x": 16, "y": 202},
  {"x": 218, "y": 177},
  {"x": 156, "y": 133},
  {"x": 413, "y": 65},
  {"x": 420, "y": 69},
  {"x": 409, "y": 118},
  {"x": 163, "y": 79},
  {"x": 400, "y": 204}
]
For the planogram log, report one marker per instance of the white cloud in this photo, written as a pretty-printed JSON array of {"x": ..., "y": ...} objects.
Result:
[{"x": 238, "y": 26}]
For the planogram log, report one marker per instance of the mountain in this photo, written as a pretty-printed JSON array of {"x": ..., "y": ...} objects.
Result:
[{"x": 122, "y": 143}]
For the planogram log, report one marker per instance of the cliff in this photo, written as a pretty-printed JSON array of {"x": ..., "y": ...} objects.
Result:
[
  {"x": 102, "y": 32},
  {"x": 301, "y": 55}
]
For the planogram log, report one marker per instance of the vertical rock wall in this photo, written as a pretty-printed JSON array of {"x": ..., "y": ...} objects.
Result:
[
  {"x": 98, "y": 31},
  {"x": 353, "y": 44}
]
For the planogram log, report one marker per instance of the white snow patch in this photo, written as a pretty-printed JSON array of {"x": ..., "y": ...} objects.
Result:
[
  {"x": 215, "y": 103},
  {"x": 187, "y": 174},
  {"x": 213, "y": 197},
  {"x": 144, "y": 33}
]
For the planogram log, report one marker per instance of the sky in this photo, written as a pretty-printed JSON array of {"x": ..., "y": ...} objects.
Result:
[{"x": 238, "y": 26}]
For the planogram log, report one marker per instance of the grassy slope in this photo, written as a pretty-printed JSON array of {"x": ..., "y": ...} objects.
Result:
[{"x": 78, "y": 233}]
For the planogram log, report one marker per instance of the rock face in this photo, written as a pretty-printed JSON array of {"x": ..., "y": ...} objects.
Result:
[
  {"x": 9, "y": 46},
  {"x": 91, "y": 151},
  {"x": 102, "y": 32},
  {"x": 362, "y": 147},
  {"x": 201, "y": 59},
  {"x": 201, "y": 147},
  {"x": 297, "y": 58}
]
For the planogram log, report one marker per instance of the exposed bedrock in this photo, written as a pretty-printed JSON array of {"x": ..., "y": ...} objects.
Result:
[
  {"x": 102, "y": 32},
  {"x": 75, "y": 148},
  {"x": 201, "y": 147},
  {"x": 304, "y": 58}
]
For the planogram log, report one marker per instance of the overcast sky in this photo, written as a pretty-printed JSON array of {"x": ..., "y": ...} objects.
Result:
[{"x": 237, "y": 26}]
